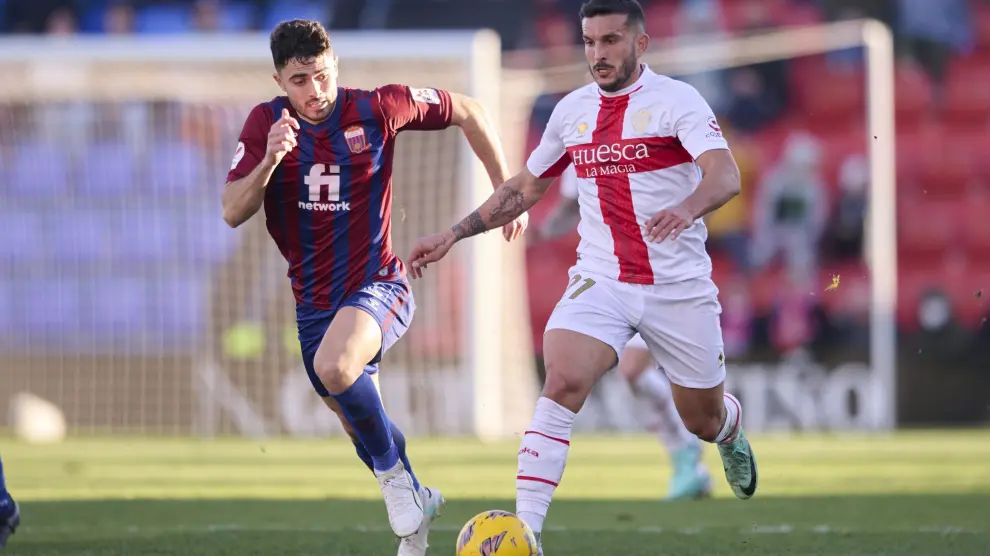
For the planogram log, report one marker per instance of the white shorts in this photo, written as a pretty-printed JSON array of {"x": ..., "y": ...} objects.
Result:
[{"x": 679, "y": 323}]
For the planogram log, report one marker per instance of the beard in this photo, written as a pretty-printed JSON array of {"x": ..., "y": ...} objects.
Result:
[{"x": 622, "y": 74}]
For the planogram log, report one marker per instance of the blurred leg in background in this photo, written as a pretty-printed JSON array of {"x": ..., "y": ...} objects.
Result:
[
  {"x": 690, "y": 478},
  {"x": 9, "y": 517}
]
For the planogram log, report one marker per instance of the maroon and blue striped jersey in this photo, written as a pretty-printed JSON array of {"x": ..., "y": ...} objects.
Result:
[{"x": 328, "y": 205}]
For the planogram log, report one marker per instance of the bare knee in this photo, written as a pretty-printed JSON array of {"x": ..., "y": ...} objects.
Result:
[
  {"x": 565, "y": 390},
  {"x": 574, "y": 362},
  {"x": 352, "y": 340},
  {"x": 337, "y": 373},
  {"x": 705, "y": 427}
]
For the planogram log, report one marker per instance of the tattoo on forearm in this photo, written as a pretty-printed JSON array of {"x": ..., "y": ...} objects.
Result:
[
  {"x": 470, "y": 226},
  {"x": 510, "y": 203}
]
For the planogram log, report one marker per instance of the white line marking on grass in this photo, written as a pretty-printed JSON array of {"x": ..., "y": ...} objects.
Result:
[
  {"x": 785, "y": 529},
  {"x": 780, "y": 529},
  {"x": 822, "y": 529}
]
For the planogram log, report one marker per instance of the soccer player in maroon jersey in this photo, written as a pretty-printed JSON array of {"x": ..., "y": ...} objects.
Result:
[{"x": 319, "y": 159}]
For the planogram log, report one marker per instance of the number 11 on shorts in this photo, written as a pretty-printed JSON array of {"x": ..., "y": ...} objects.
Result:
[{"x": 586, "y": 283}]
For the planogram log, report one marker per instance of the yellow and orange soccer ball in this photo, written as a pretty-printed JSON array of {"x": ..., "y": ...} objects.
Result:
[{"x": 496, "y": 533}]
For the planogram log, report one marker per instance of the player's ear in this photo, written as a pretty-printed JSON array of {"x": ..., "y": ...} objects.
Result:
[
  {"x": 642, "y": 43},
  {"x": 278, "y": 81}
]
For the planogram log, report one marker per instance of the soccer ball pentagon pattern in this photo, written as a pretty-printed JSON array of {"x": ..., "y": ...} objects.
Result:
[{"x": 496, "y": 533}]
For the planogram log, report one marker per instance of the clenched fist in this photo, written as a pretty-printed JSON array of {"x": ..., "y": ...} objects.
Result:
[{"x": 282, "y": 137}]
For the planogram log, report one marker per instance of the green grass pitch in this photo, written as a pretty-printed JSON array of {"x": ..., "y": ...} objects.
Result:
[{"x": 904, "y": 494}]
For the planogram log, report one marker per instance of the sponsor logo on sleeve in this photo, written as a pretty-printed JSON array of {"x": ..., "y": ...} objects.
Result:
[
  {"x": 238, "y": 155},
  {"x": 429, "y": 96}
]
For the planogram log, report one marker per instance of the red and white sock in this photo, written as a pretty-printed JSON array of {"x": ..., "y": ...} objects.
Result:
[
  {"x": 542, "y": 457},
  {"x": 663, "y": 418},
  {"x": 733, "y": 416}
]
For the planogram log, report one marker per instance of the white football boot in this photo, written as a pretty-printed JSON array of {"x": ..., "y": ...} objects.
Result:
[
  {"x": 416, "y": 544},
  {"x": 405, "y": 510}
]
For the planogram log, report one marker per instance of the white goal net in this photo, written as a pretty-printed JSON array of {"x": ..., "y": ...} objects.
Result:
[{"x": 127, "y": 302}]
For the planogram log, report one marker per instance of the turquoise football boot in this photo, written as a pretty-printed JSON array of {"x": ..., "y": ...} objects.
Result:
[
  {"x": 691, "y": 479},
  {"x": 740, "y": 466}
]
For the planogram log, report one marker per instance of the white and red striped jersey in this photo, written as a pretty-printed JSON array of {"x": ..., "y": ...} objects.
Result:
[{"x": 633, "y": 154}]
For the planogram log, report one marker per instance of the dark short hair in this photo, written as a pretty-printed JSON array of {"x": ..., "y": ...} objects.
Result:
[
  {"x": 298, "y": 39},
  {"x": 630, "y": 8}
]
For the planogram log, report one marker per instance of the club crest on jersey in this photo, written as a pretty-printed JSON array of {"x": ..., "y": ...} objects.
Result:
[
  {"x": 357, "y": 141},
  {"x": 582, "y": 128},
  {"x": 641, "y": 121}
]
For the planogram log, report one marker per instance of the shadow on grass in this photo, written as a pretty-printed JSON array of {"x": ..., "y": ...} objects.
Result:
[{"x": 907, "y": 525}]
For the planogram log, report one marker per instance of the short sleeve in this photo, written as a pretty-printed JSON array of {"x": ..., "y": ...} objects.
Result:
[
  {"x": 568, "y": 183},
  {"x": 695, "y": 123},
  {"x": 550, "y": 158},
  {"x": 252, "y": 143},
  {"x": 405, "y": 107}
]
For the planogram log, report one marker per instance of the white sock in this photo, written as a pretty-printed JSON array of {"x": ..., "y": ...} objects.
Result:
[
  {"x": 733, "y": 416},
  {"x": 542, "y": 457},
  {"x": 663, "y": 418}
]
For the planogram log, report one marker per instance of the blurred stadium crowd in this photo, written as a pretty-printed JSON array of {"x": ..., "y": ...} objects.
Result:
[{"x": 797, "y": 127}]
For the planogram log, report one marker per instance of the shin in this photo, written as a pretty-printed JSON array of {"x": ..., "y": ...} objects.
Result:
[{"x": 575, "y": 362}]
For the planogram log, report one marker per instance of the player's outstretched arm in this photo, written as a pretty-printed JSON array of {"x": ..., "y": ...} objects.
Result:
[
  {"x": 719, "y": 184},
  {"x": 242, "y": 198},
  {"x": 480, "y": 132},
  {"x": 509, "y": 200}
]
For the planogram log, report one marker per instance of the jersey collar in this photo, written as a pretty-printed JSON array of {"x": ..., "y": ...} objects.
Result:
[{"x": 635, "y": 86}]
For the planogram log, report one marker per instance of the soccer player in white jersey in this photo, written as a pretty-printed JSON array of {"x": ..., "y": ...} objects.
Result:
[
  {"x": 651, "y": 162},
  {"x": 691, "y": 478}
]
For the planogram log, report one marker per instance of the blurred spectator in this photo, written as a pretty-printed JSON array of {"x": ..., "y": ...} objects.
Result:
[
  {"x": 758, "y": 17},
  {"x": 850, "y": 313},
  {"x": 737, "y": 318},
  {"x": 791, "y": 209},
  {"x": 728, "y": 227},
  {"x": 845, "y": 235},
  {"x": 751, "y": 105},
  {"x": 207, "y": 15},
  {"x": 119, "y": 19},
  {"x": 792, "y": 323},
  {"x": 933, "y": 31},
  {"x": 557, "y": 37},
  {"x": 697, "y": 21},
  {"x": 61, "y": 22}
]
